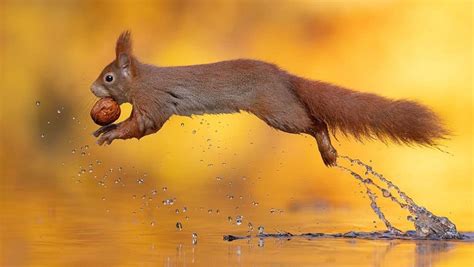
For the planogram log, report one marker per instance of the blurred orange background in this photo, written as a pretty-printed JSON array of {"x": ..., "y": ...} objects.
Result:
[{"x": 52, "y": 51}]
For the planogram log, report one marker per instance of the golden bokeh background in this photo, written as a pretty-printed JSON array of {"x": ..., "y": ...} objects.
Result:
[{"x": 51, "y": 51}]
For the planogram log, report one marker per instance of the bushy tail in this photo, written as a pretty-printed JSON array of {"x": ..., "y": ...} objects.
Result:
[{"x": 369, "y": 115}]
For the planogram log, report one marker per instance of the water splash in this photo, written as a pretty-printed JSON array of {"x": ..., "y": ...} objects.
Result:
[
  {"x": 376, "y": 235},
  {"x": 427, "y": 225}
]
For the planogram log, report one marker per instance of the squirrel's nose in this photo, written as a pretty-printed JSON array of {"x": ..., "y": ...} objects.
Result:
[
  {"x": 99, "y": 90},
  {"x": 93, "y": 88}
]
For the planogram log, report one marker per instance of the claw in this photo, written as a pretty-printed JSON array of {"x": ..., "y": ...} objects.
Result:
[
  {"x": 329, "y": 157},
  {"x": 108, "y": 137}
]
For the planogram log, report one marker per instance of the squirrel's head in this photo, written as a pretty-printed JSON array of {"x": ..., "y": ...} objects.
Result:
[{"x": 115, "y": 79}]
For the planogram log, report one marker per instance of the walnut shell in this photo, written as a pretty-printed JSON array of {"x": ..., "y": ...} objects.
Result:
[{"x": 105, "y": 111}]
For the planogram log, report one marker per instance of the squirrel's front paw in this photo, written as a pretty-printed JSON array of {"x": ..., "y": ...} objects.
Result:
[
  {"x": 104, "y": 129},
  {"x": 108, "y": 137}
]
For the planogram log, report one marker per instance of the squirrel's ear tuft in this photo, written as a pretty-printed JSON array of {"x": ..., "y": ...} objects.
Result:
[{"x": 124, "y": 44}]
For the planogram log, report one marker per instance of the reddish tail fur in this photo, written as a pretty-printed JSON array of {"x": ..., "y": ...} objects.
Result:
[{"x": 369, "y": 115}]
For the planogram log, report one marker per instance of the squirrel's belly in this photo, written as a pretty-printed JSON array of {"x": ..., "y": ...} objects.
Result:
[
  {"x": 194, "y": 107},
  {"x": 202, "y": 111},
  {"x": 198, "y": 102}
]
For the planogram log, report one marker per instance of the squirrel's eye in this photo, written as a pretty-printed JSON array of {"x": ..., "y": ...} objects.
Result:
[{"x": 109, "y": 78}]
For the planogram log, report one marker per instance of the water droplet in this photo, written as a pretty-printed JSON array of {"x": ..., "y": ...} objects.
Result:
[
  {"x": 250, "y": 225},
  {"x": 168, "y": 202},
  {"x": 58, "y": 111},
  {"x": 261, "y": 230},
  {"x": 238, "y": 219},
  {"x": 179, "y": 226},
  {"x": 386, "y": 193},
  {"x": 194, "y": 132},
  {"x": 195, "y": 237},
  {"x": 255, "y": 203},
  {"x": 176, "y": 211},
  {"x": 43, "y": 135},
  {"x": 140, "y": 181},
  {"x": 182, "y": 124},
  {"x": 38, "y": 103},
  {"x": 229, "y": 219},
  {"x": 152, "y": 223},
  {"x": 185, "y": 209},
  {"x": 164, "y": 188},
  {"x": 73, "y": 151}
]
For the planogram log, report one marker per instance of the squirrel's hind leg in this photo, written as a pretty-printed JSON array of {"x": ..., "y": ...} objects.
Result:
[
  {"x": 298, "y": 121},
  {"x": 320, "y": 132}
]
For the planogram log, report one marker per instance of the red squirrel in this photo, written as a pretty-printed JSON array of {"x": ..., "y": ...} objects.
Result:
[{"x": 284, "y": 101}]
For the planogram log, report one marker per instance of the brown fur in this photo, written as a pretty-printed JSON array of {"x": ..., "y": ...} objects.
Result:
[
  {"x": 284, "y": 101},
  {"x": 369, "y": 115}
]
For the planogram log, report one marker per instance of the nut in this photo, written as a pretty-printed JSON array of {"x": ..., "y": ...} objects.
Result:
[{"x": 105, "y": 111}]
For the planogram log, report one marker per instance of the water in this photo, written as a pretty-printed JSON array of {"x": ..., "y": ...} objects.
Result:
[
  {"x": 427, "y": 225},
  {"x": 239, "y": 219},
  {"x": 194, "y": 238},
  {"x": 108, "y": 227},
  {"x": 168, "y": 202}
]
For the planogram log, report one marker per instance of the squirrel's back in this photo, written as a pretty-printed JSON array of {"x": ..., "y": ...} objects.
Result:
[{"x": 221, "y": 87}]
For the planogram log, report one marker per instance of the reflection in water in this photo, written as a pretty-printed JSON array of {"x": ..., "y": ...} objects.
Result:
[
  {"x": 380, "y": 254},
  {"x": 425, "y": 253},
  {"x": 428, "y": 253}
]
